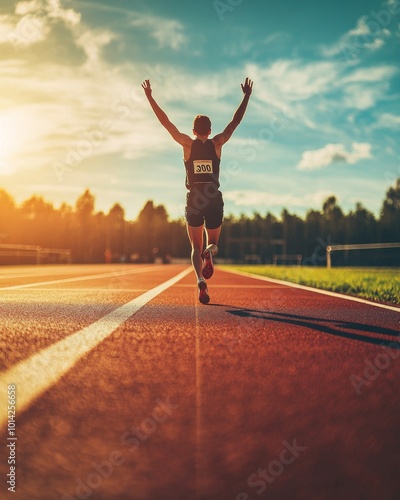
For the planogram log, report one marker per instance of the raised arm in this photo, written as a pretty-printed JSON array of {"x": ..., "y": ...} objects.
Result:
[
  {"x": 222, "y": 138},
  {"x": 182, "y": 139}
]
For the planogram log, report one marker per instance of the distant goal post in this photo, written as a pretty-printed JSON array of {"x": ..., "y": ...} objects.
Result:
[{"x": 361, "y": 246}]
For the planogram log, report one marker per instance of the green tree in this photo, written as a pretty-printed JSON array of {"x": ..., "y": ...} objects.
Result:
[
  {"x": 152, "y": 232},
  {"x": 333, "y": 221},
  {"x": 9, "y": 222},
  {"x": 116, "y": 237},
  {"x": 84, "y": 205},
  {"x": 390, "y": 214},
  {"x": 38, "y": 218},
  {"x": 84, "y": 244}
]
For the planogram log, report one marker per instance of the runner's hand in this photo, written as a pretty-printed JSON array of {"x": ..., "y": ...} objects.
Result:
[
  {"x": 147, "y": 88},
  {"x": 247, "y": 87}
]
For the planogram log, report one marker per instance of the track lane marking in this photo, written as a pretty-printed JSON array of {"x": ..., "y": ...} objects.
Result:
[
  {"x": 47, "y": 270},
  {"x": 264, "y": 286},
  {"x": 315, "y": 290},
  {"x": 79, "y": 278},
  {"x": 80, "y": 290},
  {"x": 199, "y": 424},
  {"x": 41, "y": 371}
]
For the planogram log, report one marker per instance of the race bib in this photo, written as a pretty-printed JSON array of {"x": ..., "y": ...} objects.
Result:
[{"x": 203, "y": 166}]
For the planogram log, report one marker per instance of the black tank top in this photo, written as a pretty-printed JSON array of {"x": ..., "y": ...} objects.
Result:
[{"x": 202, "y": 167}]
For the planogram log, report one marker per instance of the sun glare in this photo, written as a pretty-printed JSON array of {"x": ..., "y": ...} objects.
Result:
[
  {"x": 16, "y": 129},
  {"x": 9, "y": 141}
]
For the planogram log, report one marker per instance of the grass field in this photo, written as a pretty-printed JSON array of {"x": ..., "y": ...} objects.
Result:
[{"x": 381, "y": 285}]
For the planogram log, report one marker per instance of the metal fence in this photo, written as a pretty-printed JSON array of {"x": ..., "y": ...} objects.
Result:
[{"x": 16, "y": 253}]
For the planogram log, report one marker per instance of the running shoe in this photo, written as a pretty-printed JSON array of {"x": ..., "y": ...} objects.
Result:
[
  {"x": 203, "y": 292},
  {"x": 208, "y": 268}
]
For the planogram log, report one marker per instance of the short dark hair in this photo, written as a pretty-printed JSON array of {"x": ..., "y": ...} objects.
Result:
[{"x": 202, "y": 124}]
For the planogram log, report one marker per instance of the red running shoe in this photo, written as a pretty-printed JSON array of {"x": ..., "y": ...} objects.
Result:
[
  {"x": 203, "y": 292},
  {"x": 208, "y": 268}
]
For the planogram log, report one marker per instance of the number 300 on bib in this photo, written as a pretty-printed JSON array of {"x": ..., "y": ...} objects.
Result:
[{"x": 203, "y": 166}]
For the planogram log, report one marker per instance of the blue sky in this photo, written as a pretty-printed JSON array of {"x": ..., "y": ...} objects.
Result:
[{"x": 324, "y": 117}]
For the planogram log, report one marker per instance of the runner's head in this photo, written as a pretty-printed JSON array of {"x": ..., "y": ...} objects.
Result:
[{"x": 202, "y": 125}]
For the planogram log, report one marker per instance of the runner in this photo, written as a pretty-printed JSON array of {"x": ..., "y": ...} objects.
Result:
[{"x": 204, "y": 202}]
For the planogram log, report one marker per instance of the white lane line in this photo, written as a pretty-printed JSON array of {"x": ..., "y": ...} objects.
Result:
[
  {"x": 264, "y": 285},
  {"x": 199, "y": 424},
  {"x": 67, "y": 291},
  {"x": 35, "y": 375},
  {"x": 79, "y": 278},
  {"x": 18, "y": 276},
  {"x": 36, "y": 271},
  {"x": 315, "y": 290}
]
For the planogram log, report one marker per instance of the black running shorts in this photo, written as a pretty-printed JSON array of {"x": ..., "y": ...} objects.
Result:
[{"x": 204, "y": 205}]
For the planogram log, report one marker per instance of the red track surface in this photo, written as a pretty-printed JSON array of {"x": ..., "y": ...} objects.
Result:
[{"x": 256, "y": 390}]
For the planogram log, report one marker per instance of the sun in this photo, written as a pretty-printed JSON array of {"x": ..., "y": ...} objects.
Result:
[{"x": 17, "y": 135}]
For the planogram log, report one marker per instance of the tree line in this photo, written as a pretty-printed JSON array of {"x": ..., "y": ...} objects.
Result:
[{"x": 94, "y": 236}]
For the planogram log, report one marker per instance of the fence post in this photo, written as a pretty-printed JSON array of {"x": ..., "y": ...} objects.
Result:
[
  {"x": 38, "y": 249},
  {"x": 328, "y": 257}
]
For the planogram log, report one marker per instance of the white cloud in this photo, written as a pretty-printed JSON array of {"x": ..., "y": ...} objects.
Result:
[
  {"x": 307, "y": 93},
  {"x": 374, "y": 74},
  {"x": 58, "y": 109},
  {"x": 169, "y": 33},
  {"x": 311, "y": 90},
  {"x": 56, "y": 11},
  {"x": 23, "y": 31},
  {"x": 6, "y": 28},
  {"x": 278, "y": 37},
  {"x": 318, "y": 158},
  {"x": 92, "y": 42},
  {"x": 74, "y": 118},
  {"x": 355, "y": 41},
  {"x": 249, "y": 198},
  {"x": 289, "y": 86},
  {"x": 358, "y": 96},
  {"x": 361, "y": 27},
  {"x": 363, "y": 87},
  {"x": 31, "y": 22},
  {"x": 375, "y": 44},
  {"x": 23, "y": 8},
  {"x": 287, "y": 80},
  {"x": 387, "y": 120}
]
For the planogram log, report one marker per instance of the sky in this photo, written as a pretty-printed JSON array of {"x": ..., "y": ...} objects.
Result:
[{"x": 323, "y": 119}]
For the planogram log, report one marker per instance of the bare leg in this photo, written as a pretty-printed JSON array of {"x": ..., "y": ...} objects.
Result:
[
  {"x": 212, "y": 239},
  {"x": 210, "y": 251},
  {"x": 196, "y": 240}
]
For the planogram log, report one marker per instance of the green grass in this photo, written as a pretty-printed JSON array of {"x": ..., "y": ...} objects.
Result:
[{"x": 381, "y": 285}]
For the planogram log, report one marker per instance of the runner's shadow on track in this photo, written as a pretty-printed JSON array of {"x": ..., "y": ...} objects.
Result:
[{"x": 338, "y": 328}]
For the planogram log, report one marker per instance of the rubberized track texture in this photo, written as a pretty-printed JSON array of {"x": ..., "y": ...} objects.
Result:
[{"x": 128, "y": 388}]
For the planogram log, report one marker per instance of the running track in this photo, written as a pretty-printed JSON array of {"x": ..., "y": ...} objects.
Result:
[{"x": 131, "y": 390}]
